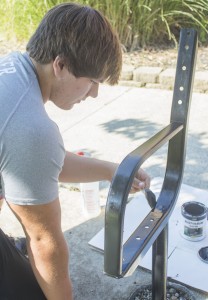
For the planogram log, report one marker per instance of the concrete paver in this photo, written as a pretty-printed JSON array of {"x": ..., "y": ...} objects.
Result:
[
  {"x": 109, "y": 128},
  {"x": 201, "y": 80},
  {"x": 147, "y": 74},
  {"x": 127, "y": 72},
  {"x": 157, "y": 77},
  {"x": 167, "y": 78}
]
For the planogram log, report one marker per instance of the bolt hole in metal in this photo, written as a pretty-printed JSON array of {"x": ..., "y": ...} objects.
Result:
[
  {"x": 184, "y": 68},
  {"x": 146, "y": 227},
  {"x": 187, "y": 47},
  {"x": 180, "y": 102},
  {"x": 181, "y": 88}
]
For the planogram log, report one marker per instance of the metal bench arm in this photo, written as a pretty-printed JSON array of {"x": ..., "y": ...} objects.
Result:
[{"x": 121, "y": 260}]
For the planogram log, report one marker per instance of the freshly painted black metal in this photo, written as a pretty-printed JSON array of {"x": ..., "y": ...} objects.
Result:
[{"x": 121, "y": 260}]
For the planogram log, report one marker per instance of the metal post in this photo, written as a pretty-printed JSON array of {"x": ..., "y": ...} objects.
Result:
[{"x": 159, "y": 265}]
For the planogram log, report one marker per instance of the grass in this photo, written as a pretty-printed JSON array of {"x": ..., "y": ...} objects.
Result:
[{"x": 139, "y": 23}]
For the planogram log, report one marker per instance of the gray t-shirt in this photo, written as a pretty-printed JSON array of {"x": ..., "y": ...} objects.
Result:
[{"x": 31, "y": 147}]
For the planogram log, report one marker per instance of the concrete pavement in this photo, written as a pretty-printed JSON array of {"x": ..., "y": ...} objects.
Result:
[{"x": 109, "y": 127}]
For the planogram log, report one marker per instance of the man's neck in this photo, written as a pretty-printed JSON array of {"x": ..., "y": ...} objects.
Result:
[{"x": 44, "y": 73}]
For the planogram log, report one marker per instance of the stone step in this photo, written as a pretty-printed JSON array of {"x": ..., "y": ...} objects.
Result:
[{"x": 156, "y": 77}]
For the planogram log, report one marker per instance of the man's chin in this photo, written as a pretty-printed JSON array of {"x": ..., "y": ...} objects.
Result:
[{"x": 65, "y": 107}]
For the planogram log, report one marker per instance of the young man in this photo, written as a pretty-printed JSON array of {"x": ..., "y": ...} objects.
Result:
[{"x": 73, "y": 50}]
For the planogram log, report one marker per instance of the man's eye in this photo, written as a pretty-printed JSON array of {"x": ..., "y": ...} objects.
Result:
[{"x": 94, "y": 82}]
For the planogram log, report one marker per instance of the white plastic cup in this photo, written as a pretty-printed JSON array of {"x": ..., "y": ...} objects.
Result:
[{"x": 90, "y": 199}]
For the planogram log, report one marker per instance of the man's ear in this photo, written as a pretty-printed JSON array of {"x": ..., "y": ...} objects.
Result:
[{"x": 58, "y": 67}]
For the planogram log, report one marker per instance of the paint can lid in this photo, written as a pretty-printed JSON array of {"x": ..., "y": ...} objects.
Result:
[
  {"x": 194, "y": 211},
  {"x": 203, "y": 254}
]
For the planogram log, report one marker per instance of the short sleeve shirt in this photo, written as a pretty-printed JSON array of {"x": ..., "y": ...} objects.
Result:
[{"x": 31, "y": 147}]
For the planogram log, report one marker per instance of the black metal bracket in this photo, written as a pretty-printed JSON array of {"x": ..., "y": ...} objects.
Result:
[{"x": 121, "y": 260}]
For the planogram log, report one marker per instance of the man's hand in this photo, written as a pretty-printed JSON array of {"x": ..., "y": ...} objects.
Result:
[{"x": 141, "y": 181}]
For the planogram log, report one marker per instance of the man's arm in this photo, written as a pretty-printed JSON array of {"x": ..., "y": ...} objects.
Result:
[
  {"x": 86, "y": 169},
  {"x": 47, "y": 249}
]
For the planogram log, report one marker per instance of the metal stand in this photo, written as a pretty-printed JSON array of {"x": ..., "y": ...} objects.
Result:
[{"x": 121, "y": 260}]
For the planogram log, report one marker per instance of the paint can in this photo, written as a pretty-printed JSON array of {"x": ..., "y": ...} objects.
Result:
[{"x": 194, "y": 221}]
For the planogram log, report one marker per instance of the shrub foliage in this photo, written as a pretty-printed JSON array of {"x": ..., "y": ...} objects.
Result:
[{"x": 139, "y": 23}]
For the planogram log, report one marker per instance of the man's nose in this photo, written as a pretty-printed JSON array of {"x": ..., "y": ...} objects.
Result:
[{"x": 94, "y": 90}]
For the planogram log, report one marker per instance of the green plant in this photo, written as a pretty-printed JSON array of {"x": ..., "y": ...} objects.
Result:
[
  {"x": 146, "y": 22},
  {"x": 139, "y": 22},
  {"x": 21, "y": 17}
]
